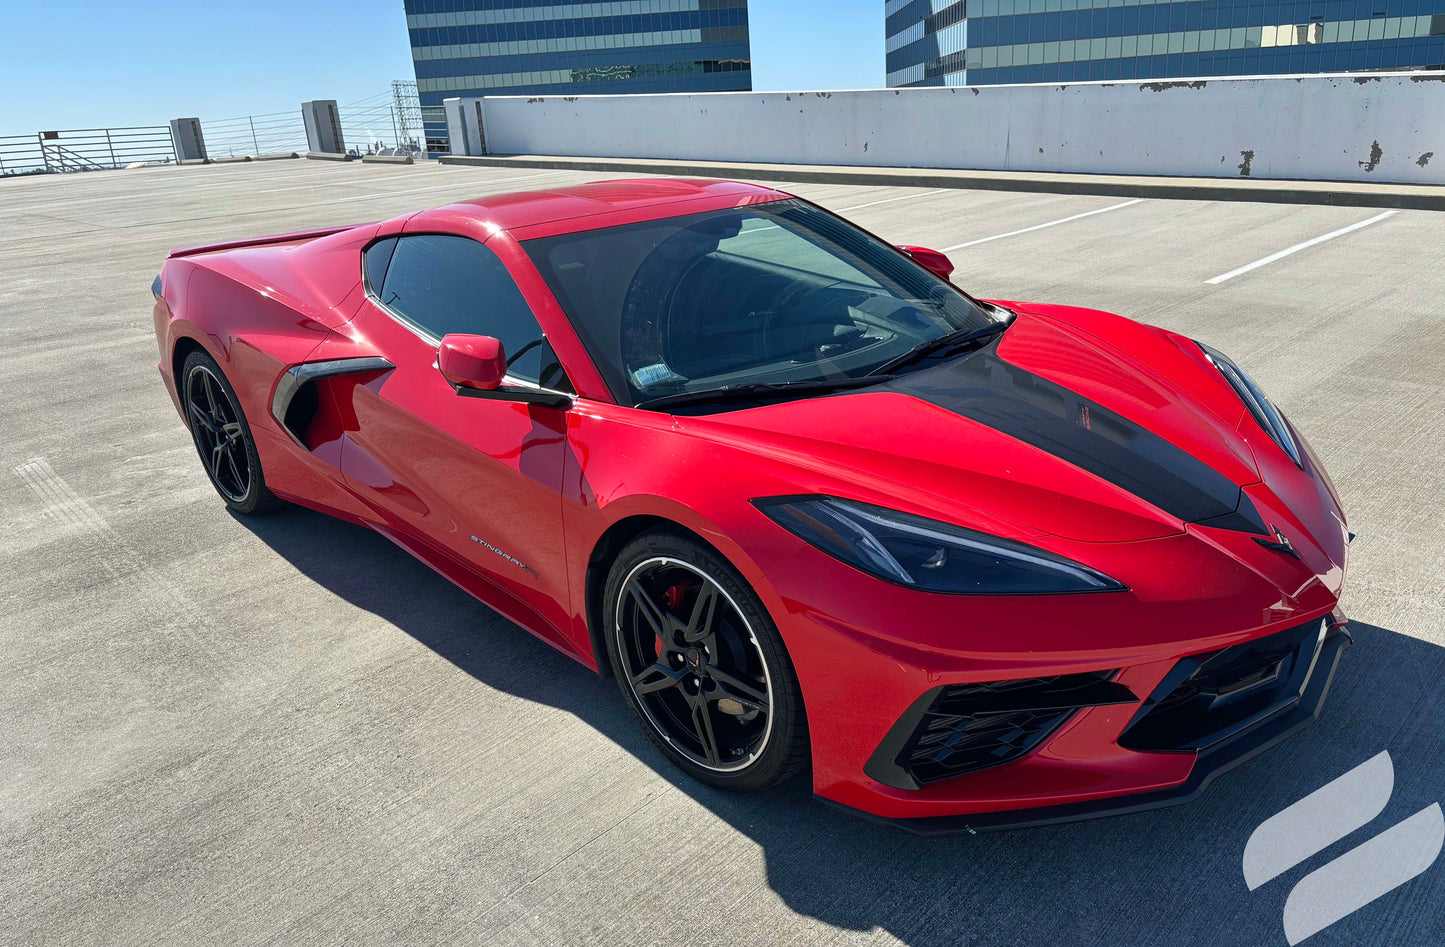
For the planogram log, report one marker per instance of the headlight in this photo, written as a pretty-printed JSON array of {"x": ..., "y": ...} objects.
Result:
[
  {"x": 1263, "y": 410},
  {"x": 926, "y": 554}
]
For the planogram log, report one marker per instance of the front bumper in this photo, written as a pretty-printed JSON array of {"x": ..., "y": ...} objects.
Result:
[
  {"x": 1243, "y": 740},
  {"x": 865, "y": 659}
]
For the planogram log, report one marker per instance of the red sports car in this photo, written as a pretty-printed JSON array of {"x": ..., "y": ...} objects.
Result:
[{"x": 974, "y": 563}]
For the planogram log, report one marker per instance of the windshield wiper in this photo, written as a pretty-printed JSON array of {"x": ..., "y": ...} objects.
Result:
[
  {"x": 760, "y": 391},
  {"x": 923, "y": 350}
]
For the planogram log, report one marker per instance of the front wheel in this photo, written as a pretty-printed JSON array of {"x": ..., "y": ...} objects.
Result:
[{"x": 702, "y": 665}]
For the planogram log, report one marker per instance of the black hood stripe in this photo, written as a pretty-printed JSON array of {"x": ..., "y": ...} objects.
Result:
[{"x": 986, "y": 389}]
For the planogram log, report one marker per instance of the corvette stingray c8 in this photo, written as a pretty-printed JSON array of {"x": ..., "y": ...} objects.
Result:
[{"x": 969, "y": 563}]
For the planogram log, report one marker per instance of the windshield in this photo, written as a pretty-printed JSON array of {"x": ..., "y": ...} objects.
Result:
[{"x": 767, "y": 294}]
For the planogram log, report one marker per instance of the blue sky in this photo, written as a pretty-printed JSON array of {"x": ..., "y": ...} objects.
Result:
[{"x": 87, "y": 63}]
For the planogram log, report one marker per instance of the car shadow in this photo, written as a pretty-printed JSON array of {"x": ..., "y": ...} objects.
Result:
[{"x": 1171, "y": 876}]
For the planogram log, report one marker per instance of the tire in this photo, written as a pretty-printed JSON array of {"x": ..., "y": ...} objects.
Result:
[
  {"x": 223, "y": 437},
  {"x": 725, "y": 657}
]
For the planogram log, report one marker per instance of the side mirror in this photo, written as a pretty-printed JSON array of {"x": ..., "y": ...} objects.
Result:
[
  {"x": 472, "y": 361},
  {"x": 476, "y": 364},
  {"x": 931, "y": 260}
]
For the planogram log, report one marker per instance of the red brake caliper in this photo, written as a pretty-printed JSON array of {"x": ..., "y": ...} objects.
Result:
[{"x": 674, "y": 594}]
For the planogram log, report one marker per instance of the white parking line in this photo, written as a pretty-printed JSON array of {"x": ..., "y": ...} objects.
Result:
[
  {"x": 1052, "y": 223},
  {"x": 905, "y": 197},
  {"x": 319, "y": 176},
  {"x": 333, "y": 183},
  {"x": 239, "y": 180},
  {"x": 245, "y": 176},
  {"x": 372, "y": 195},
  {"x": 110, "y": 551},
  {"x": 226, "y": 175},
  {"x": 474, "y": 183},
  {"x": 1297, "y": 248}
]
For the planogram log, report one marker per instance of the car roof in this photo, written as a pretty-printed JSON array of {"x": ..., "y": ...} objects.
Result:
[{"x": 589, "y": 206}]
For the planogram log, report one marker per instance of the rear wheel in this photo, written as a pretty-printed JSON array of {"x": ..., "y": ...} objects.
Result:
[
  {"x": 701, "y": 664},
  {"x": 223, "y": 438}
]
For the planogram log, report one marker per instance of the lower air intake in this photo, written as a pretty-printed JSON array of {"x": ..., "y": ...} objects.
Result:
[
  {"x": 964, "y": 728},
  {"x": 1209, "y": 697}
]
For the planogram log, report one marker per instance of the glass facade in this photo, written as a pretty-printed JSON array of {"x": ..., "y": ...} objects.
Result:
[
  {"x": 984, "y": 42},
  {"x": 547, "y": 47}
]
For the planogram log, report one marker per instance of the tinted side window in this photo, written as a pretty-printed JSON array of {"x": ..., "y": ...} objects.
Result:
[
  {"x": 374, "y": 262},
  {"x": 442, "y": 283}
]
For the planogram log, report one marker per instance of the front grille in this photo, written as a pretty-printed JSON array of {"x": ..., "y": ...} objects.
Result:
[
  {"x": 971, "y": 727},
  {"x": 1209, "y": 697}
]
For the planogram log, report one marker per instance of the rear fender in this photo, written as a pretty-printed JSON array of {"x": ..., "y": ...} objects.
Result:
[{"x": 254, "y": 338}]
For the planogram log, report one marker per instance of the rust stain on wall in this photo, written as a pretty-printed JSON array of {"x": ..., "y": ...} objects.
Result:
[{"x": 1375, "y": 154}]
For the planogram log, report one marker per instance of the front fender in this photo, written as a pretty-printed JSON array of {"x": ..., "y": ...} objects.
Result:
[{"x": 622, "y": 464}]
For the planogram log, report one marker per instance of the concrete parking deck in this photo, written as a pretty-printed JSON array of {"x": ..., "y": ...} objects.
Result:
[{"x": 285, "y": 730}]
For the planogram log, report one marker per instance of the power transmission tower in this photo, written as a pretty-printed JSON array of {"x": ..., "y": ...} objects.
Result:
[{"x": 408, "y": 111}]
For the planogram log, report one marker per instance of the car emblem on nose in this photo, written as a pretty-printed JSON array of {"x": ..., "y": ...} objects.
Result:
[{"x": 1280, "y": 543}]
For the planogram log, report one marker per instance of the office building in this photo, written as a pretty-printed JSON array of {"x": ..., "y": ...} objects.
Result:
[
  {"x": 983, "y": 42},
  {"x": 544, "y": 47}
]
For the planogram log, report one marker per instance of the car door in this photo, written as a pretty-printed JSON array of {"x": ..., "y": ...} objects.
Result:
[{"x": 464, "y": 482}]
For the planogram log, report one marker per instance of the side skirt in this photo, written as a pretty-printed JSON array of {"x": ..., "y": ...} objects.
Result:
[{"x": 497, "y": 599}]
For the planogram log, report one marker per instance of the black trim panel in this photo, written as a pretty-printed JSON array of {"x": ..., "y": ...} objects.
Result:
[
  {"x": 1244, "y": 519},
  {"x": 1013, "y": 401},
  {"x": 540, "y": 396},
  {"x": 298, "y": 376}
]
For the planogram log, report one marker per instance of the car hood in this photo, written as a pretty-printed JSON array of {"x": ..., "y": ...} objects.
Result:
[{"x": 1074, "y": 423}]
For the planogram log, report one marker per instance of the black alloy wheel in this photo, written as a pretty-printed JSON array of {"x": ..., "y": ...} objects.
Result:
[
  {"x": 702, "y": 665},
  {"x": 222, "y": 437}
]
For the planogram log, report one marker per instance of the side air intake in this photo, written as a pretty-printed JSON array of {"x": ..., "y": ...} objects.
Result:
[{"x": 296, "y": 400}]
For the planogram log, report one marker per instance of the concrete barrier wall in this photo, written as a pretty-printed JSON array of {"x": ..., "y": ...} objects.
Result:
[{"x": 1384, "y": 127}]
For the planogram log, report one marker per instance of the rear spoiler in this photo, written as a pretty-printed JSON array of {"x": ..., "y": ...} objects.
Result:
[{"x": 260, "y": 241}]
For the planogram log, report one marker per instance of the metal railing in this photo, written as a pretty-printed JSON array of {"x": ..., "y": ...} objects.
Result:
[
  {"x": 21, "y": 154},
  {"x": 266, "y": 134},
  {"x": 86, "y": 149},
  {"x": 391, "y": 122}
]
